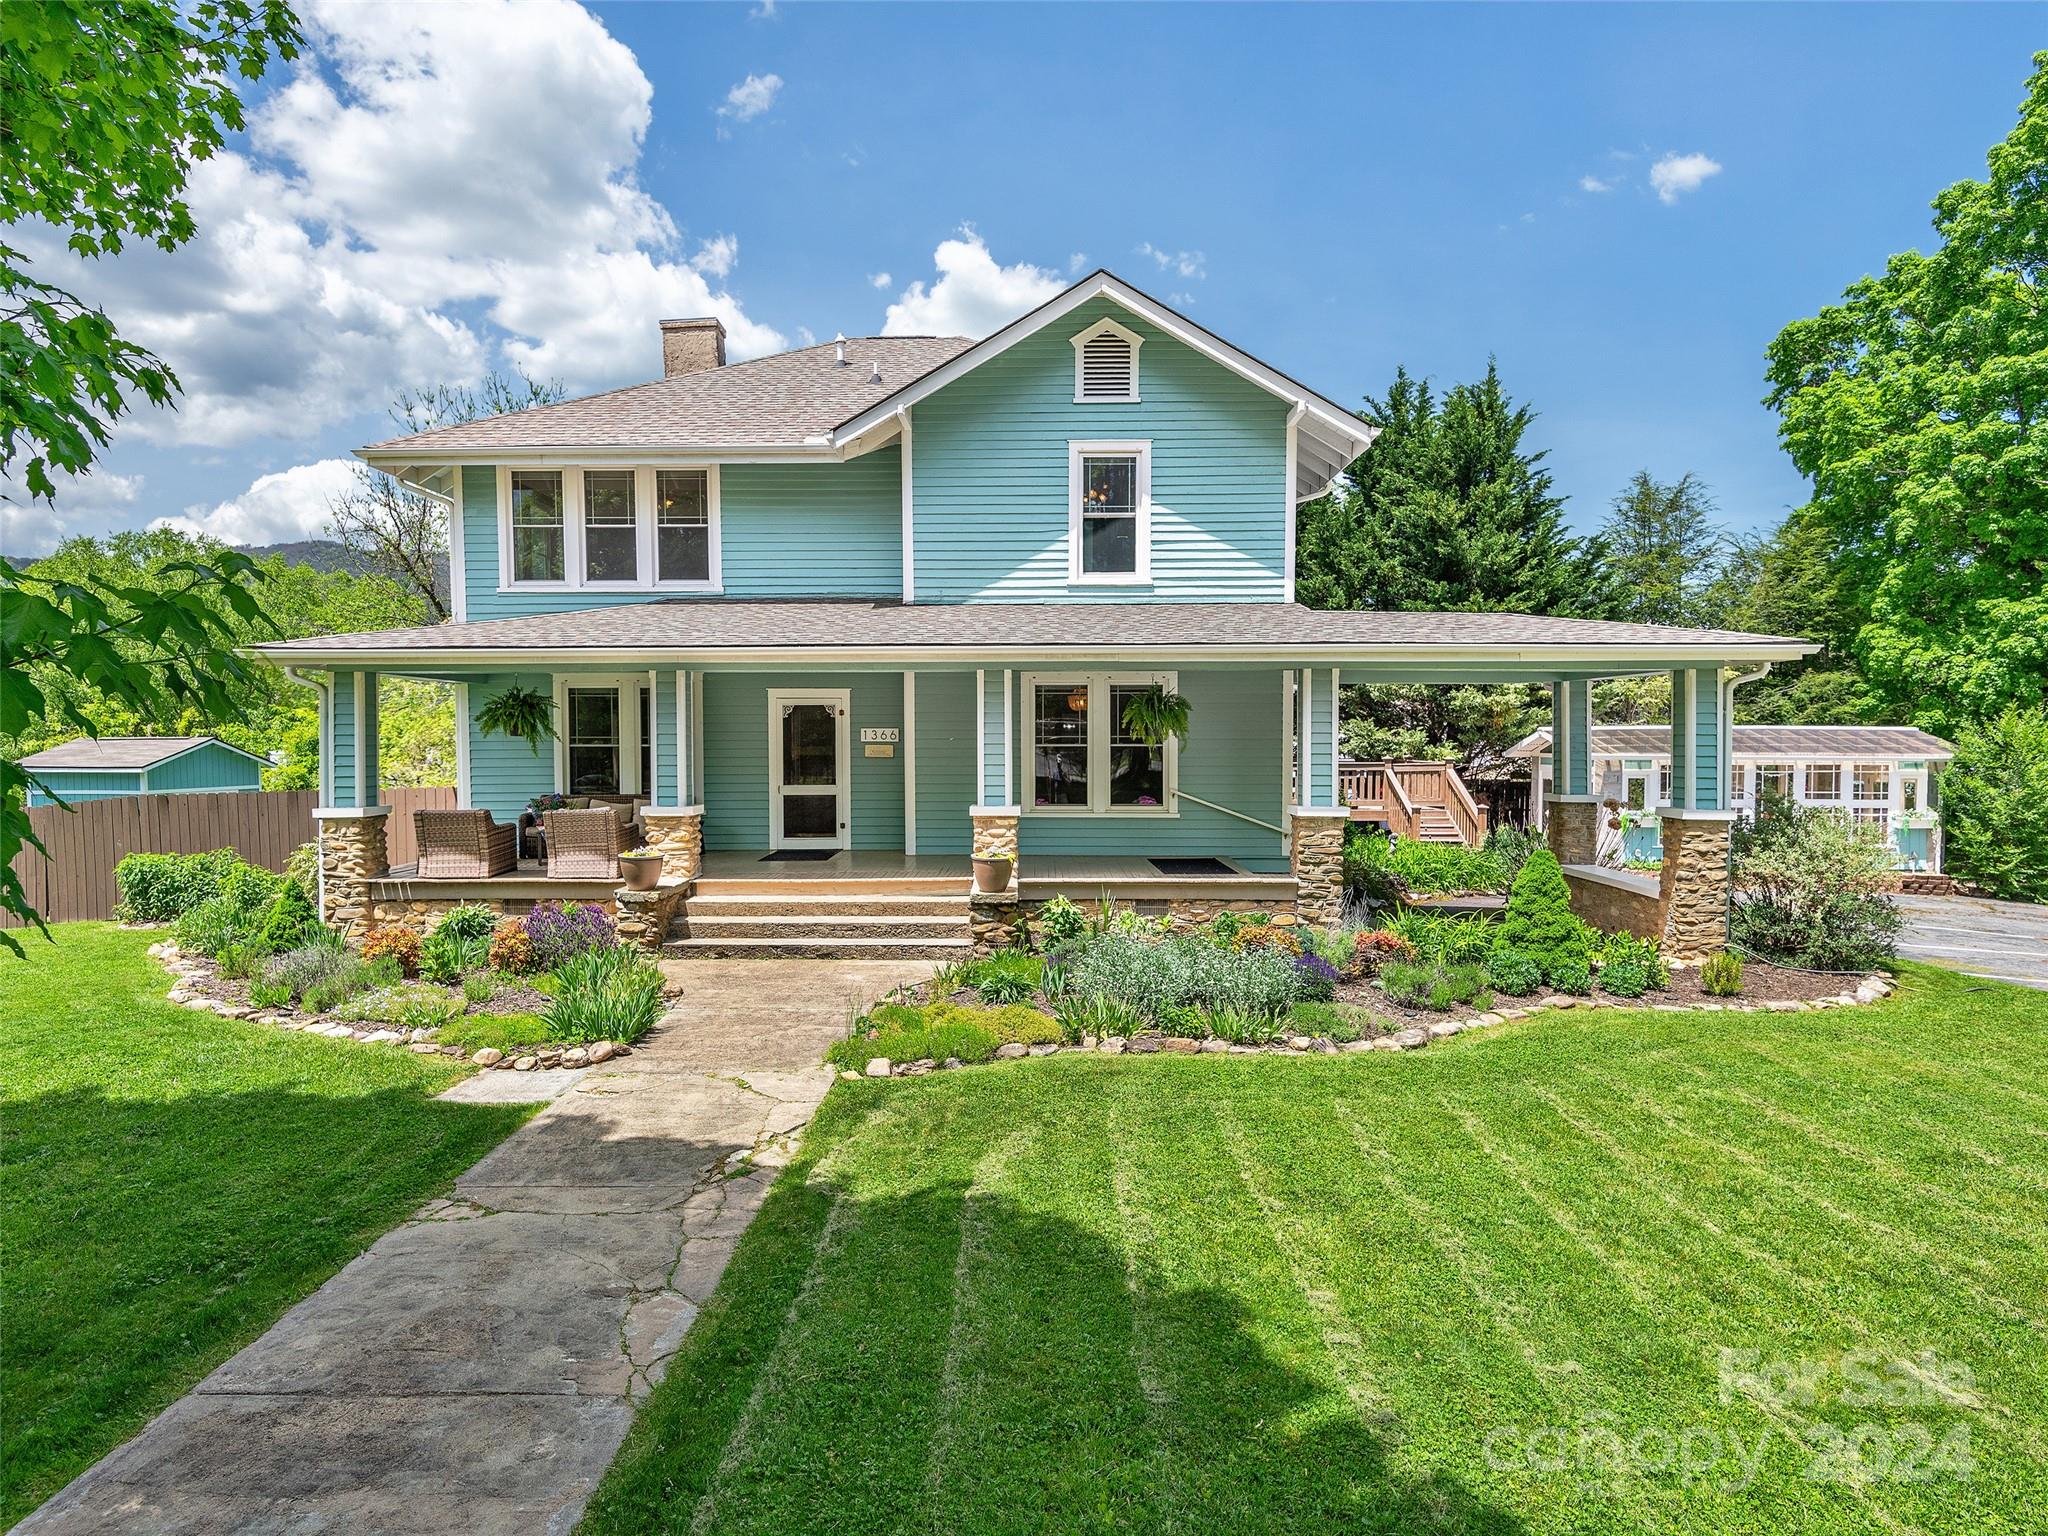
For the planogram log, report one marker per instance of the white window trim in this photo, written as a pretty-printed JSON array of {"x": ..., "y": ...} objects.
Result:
[
  {"x": 1105, "y": 327},
  {"x": 644, "y": 529},
  {"x": 628, "y": 686},
  {"x": 1098, "y": 685},
  {"x": 841, "y": 702},
  {"x": 1083, "y": 448}
]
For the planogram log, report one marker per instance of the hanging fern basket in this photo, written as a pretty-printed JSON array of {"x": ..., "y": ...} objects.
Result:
[
  {"x": 522, "y": 712},
  {"x": 1155, "y": 714}
]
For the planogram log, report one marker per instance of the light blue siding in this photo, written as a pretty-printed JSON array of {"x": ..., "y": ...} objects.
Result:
[
  {"x": 1698, "y": 754},
  {"x": 663, "y": 790},
  {"x": 786, "y": 530},
  {"x": 72, "y": 788},
  {"x": 342, "y": 751},
  {"x": 1571, "y": 721},
  {"x": 989, "y": 471},
  {"x": 208, "y": 766},
  {"x": 737, "y": 766},
  {"x": 1317, "y": 743},
  {"x": 504, "y": 771},
  {"x": 944, "y": 749},
  {"x": 997, "y": 777}
]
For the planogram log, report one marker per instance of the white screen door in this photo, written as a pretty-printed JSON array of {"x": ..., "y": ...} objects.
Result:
[{"x": 808, "y": 768}]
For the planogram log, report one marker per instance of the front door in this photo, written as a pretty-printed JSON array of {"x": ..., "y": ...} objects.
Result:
[{"x": 808, "y": 800}]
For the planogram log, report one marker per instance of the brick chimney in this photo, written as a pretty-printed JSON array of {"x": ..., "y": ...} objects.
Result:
[{"x": 691, "y": 346}]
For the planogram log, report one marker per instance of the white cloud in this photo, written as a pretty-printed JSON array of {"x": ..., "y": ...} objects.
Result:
[
  {"x": 1180, "y": 263},
  {"x": 1077, "y": 263},
  {"x": 717, "y": 256},
  {"x": 1594, "y": 184},
  {"x": 84, "y": 504},
  {"x": 1674, "y": 175},
  {"x": 973, "y": 294},
  {"x": 292, "y": 504},
  {"x": 879, "y": 279},
  {"x": 750, "y": 98},
  {"x": 765, "y": 11},
  {"x": 430, "y": 179}
]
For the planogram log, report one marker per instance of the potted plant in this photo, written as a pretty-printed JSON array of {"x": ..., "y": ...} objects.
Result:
[
  {"x": 1153, "y": 714},
  {"x": 522, "y": 712},
  {"x": 991, "y": 876},
  {"x": 641, "y": 868}
]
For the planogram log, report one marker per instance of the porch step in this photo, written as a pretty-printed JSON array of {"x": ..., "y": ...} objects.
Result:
[
  {"x": 824, "y": 925},
  {"x": 715, "y": 903},
  {"x": 798, "y": 947},
  {"x": 833, "y": 889}
]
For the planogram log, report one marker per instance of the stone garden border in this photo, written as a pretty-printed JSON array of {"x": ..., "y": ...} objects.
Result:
[
  {"x": 1869, "y": 989},
  {"x": 421, "y": 1042}
]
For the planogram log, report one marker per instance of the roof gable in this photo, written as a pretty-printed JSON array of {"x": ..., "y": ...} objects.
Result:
[{"x": 124, "y": 754}]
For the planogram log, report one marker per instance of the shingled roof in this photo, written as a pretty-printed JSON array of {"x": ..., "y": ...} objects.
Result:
[
  {"x": 712, "y": 625},
  {"x": 1766, "y": 741},
  {"x": 784, "y": 400},
  {"x": 119, "y": 754}
]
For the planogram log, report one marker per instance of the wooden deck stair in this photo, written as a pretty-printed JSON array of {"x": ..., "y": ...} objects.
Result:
[{"x": 1422, "y": 800}]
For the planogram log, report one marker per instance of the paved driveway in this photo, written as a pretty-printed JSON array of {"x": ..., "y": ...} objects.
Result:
[
  {"x": 476, "y": 1369},
  {"x": 2003, "y": 939}
]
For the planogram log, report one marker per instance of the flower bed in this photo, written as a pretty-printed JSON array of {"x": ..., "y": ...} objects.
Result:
[
  {"x": 554, "y": 988},
  {"x": 1118, "y": 983}
]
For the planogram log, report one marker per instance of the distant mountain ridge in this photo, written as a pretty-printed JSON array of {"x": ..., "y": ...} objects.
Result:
[{"x": 332, "y": 555}]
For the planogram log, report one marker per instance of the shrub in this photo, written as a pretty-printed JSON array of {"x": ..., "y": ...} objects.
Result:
[
  {"x": 1624, "y": 978},
  {"x": 1407, "y": 983},
  {"x": 1266, "y": 936},
  {"x": 1007, "y": 977},
  {"x": 1512, "y": 972},
  {"x": 604, "y": 994},
  {"x": 445, "y": 956},
  {"x": 471, "y": 920},
  {"x": 1060, "y": 922},
  {"x": 511, "y": 950},
  {"x": 1315, "y": 979},
  {"x": 1810, "y": 889},
  {"x": 302, "y": 868},
  {"x": 1440, "y": 869},
  {"x": 161, "y": 887},
  {"x": 396, "y": 941},
  {"x": 1330, "y": 1020},
  {"x": 290, "y": 918},
  {"x": 479, "y": 987},
  {"x": 1574, "y": 977},
  {"x": 1097, "y": 1015},
  {"x": 410, "y": 1004},
  {"x": 250, "y": 888},
  {"x": 213, "y": 926},
  {"x": 1439, "y": 939},
  {"x": 306, "y": 965},
  {"x": 1539, "y": 920},
  {"x": 1721, "y": 975},
  {"x": 560, "y": 934},
  {"x": 1373, "y": 947},
  {"x": 1624, "y": 948},
  {"x": 1994, "y": 796}
]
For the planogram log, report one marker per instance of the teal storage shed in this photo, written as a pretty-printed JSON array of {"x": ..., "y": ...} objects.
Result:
[{"x": 140, "y": 765}]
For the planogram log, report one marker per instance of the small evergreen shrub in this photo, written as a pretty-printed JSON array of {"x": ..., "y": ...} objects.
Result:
[
  {"x": 1539, "y": 920},
  {"x": 290, "y": 918},
  {"x": 1721, "y": 975},
  {"x": 396, "y": 941},
  {"x": 1624, "y": 978},
  {"x": 1572, "y": 977},
  {"x": 1512, "y": 972},
  {"x": 468, "y": 921}
]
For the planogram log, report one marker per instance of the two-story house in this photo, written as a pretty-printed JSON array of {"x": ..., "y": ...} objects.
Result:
[{"x": 838, "y": 619}]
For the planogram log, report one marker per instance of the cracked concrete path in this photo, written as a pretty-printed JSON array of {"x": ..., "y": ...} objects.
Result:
[{"x": 475, "y": 1370}]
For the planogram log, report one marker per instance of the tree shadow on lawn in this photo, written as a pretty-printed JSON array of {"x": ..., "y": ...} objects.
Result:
[
  {"x": 147, "y": 1239},
  {"x": 852, "y": 1374}
]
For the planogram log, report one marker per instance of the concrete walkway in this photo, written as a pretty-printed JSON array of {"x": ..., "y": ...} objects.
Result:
[
  {"x": 2004, "y": 940},
  {"x": 476, "y": 1369}
]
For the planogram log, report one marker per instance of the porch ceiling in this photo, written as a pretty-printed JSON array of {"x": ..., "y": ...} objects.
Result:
[{"x": 698, "y": 632}]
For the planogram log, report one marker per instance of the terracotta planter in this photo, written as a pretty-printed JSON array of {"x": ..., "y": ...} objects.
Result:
[
  {"x": 992, "y": 876},
  {"x": 642, "y": 871}
]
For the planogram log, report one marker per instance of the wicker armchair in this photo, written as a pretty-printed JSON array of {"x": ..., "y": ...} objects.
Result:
[
  {"x": 584, "y": 845},
  {"x": 463, "y": 845}
]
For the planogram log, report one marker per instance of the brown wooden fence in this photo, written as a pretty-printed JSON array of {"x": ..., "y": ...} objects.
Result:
[{"x": 86, "y": 841}]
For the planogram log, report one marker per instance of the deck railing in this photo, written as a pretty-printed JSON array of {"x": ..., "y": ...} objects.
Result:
[{"x": 1396, "y": 791}]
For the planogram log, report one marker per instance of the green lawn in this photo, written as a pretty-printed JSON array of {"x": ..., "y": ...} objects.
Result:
[
  {"x": 1398, "y": 1294},
  {"x": 170, "y": 1182}
]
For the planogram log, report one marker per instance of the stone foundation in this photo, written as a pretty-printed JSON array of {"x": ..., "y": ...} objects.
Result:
[
  {"x": 352, "y": 854},
  {"x": 1616, "y": 907},
  {"x": 421, "y": 915},
  {"x": 1694, "y": 884},
  {"x": 678, "y": 836},
  {"x": 644, "y": 917},
  {"x": 1316, "y": 846},
  {"x": 995, "y": 922},
  {"x": 995, "y": 836},
  {"x": 1573, "y": 829},
  {"x": 1183, "y": 914}
]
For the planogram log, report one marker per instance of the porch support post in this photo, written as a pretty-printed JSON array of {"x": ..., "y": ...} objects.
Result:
[
  {"x": 674, "y": 821},
  {"x": 994, "y": 916},
  {"x": 1315, "y": 827},
  {"x": 1694, "y": 883},
  {"x": 1571, "y": 811},
  {"x": 353, "y": 847}
]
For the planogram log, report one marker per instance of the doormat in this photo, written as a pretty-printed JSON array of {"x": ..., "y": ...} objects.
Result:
[
  {"x": 798, "y": 855},
  {"x": 1191, "y": 866}
]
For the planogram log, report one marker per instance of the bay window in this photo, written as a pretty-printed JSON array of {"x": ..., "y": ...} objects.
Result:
[
  {"x": 1083, "y": 759},
  {"x": 634, "y": 528},
  {"x": 1109, "y": 512}
]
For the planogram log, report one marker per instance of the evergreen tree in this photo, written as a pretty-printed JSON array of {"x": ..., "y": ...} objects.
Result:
[{"x": 1663, "y": 550}]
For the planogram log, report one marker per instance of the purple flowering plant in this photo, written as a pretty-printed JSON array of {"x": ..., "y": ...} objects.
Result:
[
  {"x": 1316, "y": 978},
  {"x": 562, "y": 933}
]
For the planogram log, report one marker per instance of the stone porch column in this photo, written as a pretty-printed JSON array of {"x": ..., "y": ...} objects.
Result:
[
  {"x": 1571, "y": 824},
  {"x": 1316, "y": 846},
  {"x": 1694, "y": 883},
  {"x": 352, "y": 854},
  {"x": 679, "y": 837},
  {"x": 994, "y": 919}
]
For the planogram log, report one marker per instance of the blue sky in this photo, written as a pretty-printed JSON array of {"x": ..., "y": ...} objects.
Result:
[{"x": 1336, "y": 189}]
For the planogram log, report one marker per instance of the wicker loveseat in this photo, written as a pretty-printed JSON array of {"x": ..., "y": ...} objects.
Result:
[
  {"x": 463, "y": 845},
  {"x": 585, "y": 845}
]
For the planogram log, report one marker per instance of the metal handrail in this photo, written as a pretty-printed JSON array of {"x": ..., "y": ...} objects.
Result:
[{"x": 1181, "y": 794}]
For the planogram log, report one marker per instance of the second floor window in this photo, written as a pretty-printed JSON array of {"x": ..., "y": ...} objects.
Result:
[
  {"x": 682, "y": 525},
  {"x": 539, "y": 547},
  {"x": 1109, "y": 512},
  {"x": 611, "y": 541}
]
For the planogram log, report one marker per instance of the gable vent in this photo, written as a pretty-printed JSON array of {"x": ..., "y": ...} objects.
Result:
[{"x": 1106, "y": 363}]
